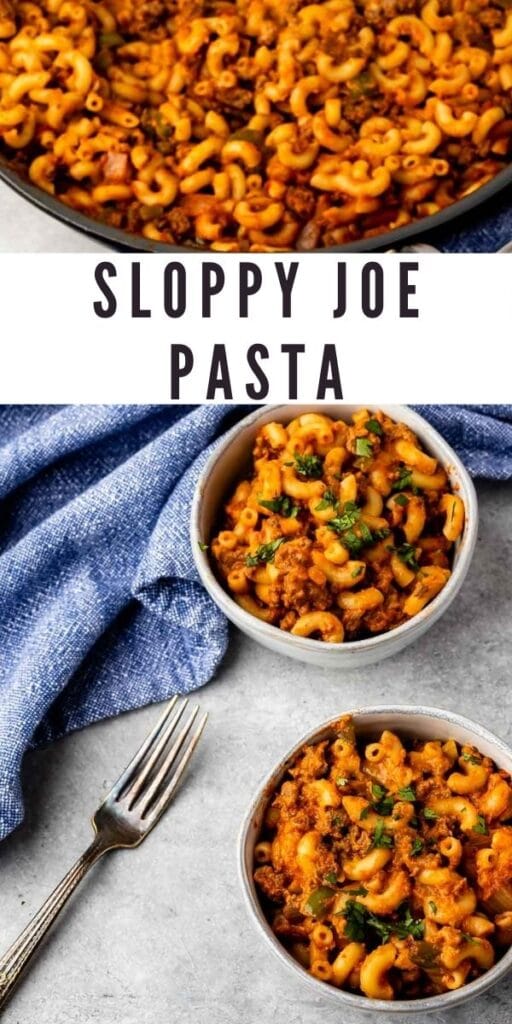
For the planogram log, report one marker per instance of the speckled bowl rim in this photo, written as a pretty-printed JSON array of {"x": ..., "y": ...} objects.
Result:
[
  {"x": 267, "y": 633},
  {"x": 391, "y": 716}
]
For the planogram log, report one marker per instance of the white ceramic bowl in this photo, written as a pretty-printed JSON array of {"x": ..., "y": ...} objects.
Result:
[
  {"x": 232, "y": 456},
  {"x": 408, "y": 722}
]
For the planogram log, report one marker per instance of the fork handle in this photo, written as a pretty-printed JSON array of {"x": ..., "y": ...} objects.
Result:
[{"x": 18, "y": 956}]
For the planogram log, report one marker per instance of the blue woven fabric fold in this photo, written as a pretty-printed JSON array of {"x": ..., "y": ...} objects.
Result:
[
  {"x": 101, "y": 607},
  {"x": 485, "y": 229}
]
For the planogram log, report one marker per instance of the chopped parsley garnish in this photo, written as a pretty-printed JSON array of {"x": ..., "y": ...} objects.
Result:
[
  {"x": 401, "y": 499},
  {"x": 382, "y": 801},
  {"x": 407, "y": 793},
  {"x": 356, "y": 920},
  {"x": 283, "y": 505},
  {"x": 354, "y": 539},
  {"x": 381, "y": 839},
  {"x": 429, "y": 814},
  {"x": 364, "y": 448},
  {"x": 407, "y": 554},
  {"x": 265, "y": 552},
  {"x": 328, "y": 500},
  {"x": 337, "y": 821},
  {"x": 433, "y": 906},
  {"x": 416, "y": 847},
  {"x": 356, "y": 572},
  {"x": 403, "y": 480},
  {"x": 331, "y": 878},
  {"x": 202, "y": 545},
  {"x": 309, "y": 466},
  {"x": 380, "y": 534},
  {"x": 374, "y": 427},
  {"x": 410, "y": 926},
  {"x": 361, "y": 925},
  {"x": 347, "y": 519},
  {"x": 471, "y": 759},
  {"x": 360, "y": 891},
  {"x": 480, "y": 827}
]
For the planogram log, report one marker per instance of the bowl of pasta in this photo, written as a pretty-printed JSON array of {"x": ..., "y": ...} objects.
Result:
[
  {"x": 234, "y": 127},
  {"x": 335, "y": 534},
  {"x": 376, "y": 860}
]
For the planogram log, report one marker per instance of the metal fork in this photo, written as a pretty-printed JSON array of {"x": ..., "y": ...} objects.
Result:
[{"x": 124, "y": 819}]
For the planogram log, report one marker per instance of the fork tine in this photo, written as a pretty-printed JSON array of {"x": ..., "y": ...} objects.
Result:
[
  {"x": 169, "y": 790},
  {"x": 166, "y": 732},
  {"x": 169, "y": 759},
  {"x": 137, "y": 759}
]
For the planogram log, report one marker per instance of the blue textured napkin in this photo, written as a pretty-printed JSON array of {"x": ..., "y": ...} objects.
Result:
[
  {"x": 485, "y": 229},
  {"x": 101, "y": 608}
]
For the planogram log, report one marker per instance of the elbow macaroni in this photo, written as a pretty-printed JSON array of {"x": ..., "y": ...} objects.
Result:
[
  {"x": 391, "y": 905},
  {"x": 256, "y": 127},
  {"x": 341, "y": 531}
]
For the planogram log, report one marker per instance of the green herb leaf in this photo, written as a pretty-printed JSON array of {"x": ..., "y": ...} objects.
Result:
[
  {"x": 349, "y": 516},
  {"x": 328, "y": 500},
  {"x": 360, "y": 923},
  {"x": 265, "y": 552},
  {"x": 417, "y": 846},
  {"x": 331, "y": 878},
  {"x": 381, "y": 839},
  {"x": 374, "y": 427},
  {"x": 429, "y": 814},
  {"x": 382, "y": 801},
  {"x": 481, "y": 828},
  {"x": 401, "y": 499},
  {"x": 407, "y": 793},
  {"x": 283, "y": 505},
  {"x": 403, "y": 480},
  {"x": 310, "y": 466},
  {"x": 355, "y": 915},
  {"x": 350, "y": 539},
  {"x": 356, "y": 572},
  {"x": 433, "y": 906},
  {"x": 364, "y": 448},
  {"x": 471, "y": 759},
  {"x": 407, "y": 554},
  {"x": 202, "y": 545},
  {"x": 410, "y": 926},
  {"x": 365, "y": 533},
  {"x": 360, "y": 891}
]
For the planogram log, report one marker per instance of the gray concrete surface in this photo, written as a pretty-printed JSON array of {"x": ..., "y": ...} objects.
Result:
[
  {"x": 26, "y": 228},
  {"x": 160, "y": 934}
]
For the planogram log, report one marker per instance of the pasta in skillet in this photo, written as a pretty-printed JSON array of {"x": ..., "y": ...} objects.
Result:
[
  {"x": 257, "y": 125},
  {"x": 342, "y": 531},
  {"x": 387, "y": 869}
]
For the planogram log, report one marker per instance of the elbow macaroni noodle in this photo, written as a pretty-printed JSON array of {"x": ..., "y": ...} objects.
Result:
[
  {"x": 256, "y": 125},
  {"x": 372, "y": 874},
  {"x": 342, "y": 531}
]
